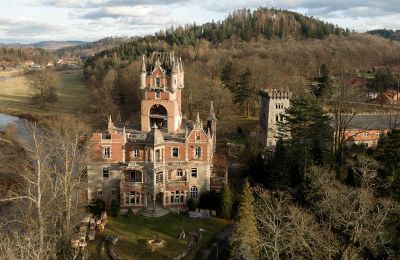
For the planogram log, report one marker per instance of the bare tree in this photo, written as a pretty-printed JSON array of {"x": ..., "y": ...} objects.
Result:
[
  {"x": 344, "y": 107},
  {"x": 48, "y": 208},
  {"x": 357, "y": 217},
  {"x": 287, "y": 231}
]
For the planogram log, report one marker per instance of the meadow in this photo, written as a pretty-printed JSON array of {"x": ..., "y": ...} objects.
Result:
[{"x": 15, "y": 94}]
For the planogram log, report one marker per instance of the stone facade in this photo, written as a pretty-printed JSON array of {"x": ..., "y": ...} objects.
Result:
[
  {"x": 273, "y": 104},
  {"x": 166, "y": 160}
]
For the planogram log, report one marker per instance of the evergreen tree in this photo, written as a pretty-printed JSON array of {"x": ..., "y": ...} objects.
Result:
[
  {"x": 323, "y": 88},
  {"x": 305, "y": 130},
  {"x": 245, "y": 237},
  {"x": 225, "y": 202},
  {"x": 227, "y": 76},
  {"x": 389, "y": 155},
  {"x": 242, "y": 90}
]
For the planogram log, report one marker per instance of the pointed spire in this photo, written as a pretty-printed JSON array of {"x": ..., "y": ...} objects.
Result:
[
  {"x": 143, "y": 69},
  {"x": 198, "y": 124},
  {"x": 174, "y": 66},
  {"x": 124, "y": 134},
  {"x": 211, "y": 113},
  {"x": 110, "y": 123},
  {"x": 180, "y": 64},
  {"x": 209, "y": 133}
]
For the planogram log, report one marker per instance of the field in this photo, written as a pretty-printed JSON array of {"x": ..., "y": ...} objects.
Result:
[
  {"x": 15, "y": 94},
  {"x": 134, "y": 232}
]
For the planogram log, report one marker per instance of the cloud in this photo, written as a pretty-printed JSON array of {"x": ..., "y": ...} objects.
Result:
[
  {"x": 24, "y": 27},
  {"x": 105, "y": 3}
]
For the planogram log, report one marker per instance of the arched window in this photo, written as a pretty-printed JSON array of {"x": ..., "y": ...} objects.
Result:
[{"x": 194, "y": 192}]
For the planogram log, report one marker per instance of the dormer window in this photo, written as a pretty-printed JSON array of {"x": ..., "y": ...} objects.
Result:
[{"x": 106, "y": 136}]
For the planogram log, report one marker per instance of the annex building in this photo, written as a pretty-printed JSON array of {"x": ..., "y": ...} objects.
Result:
[{"x": 163, "y": 160}]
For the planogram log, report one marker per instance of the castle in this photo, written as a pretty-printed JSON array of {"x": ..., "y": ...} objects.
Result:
[
  {"x": 273, "y": 105},
  {"x": 166, "y": 160}
]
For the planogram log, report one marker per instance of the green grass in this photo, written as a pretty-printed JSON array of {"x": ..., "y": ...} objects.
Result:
[
  {"x": 135, "y": 231},
  {"x": 15, "y": 94}
]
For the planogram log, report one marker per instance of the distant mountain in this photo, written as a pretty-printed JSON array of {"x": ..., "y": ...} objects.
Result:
[
  {"x": 388, "y": 34},
  {"x": 53, "y": 45},
  {"x": 91, "y": 48}
]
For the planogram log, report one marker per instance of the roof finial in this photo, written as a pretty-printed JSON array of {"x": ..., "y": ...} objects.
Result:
[
  {"x": 124, "y": 134},
  {"x": 211, "y": 113},
  {"x": 110, "y": 123},
  {"x": 143, "y": 69}
]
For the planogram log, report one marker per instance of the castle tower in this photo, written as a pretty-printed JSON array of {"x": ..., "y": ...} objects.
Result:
[
  {"x": 212, "y": 125},
  {"x": 273, "y": 105},
  {"x": 161, "y": 79}
]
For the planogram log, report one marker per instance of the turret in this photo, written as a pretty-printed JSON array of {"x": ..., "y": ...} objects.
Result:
[
  {"x": 181, "y": 74},
  {"x": 143, "y": 74},
  {"x": 174, "y": 76}
]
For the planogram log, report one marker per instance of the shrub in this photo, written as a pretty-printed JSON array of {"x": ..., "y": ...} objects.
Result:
[
  {"x": 191, "y": 204},
  {"x": 98, "y": 207},
  {"x": 114, "y": 208},
  {"x": 130, "y": 213}
]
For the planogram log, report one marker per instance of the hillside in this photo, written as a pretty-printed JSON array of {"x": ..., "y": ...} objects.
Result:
[
  {"x": 388, "y": 34},
  {"x": 90, "y": 49},
  {"x": 286, "y": 58},
  {"x": 51, "y": 45}
]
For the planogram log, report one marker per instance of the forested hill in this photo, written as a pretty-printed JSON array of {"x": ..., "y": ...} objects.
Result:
[
  {"x": 18, "y": 55},
  {"x": 245, "y": 25},
  {"x": 280, "y": 48},
  {"x": 90, "y": 49},
  {"x": 388, "y": 34}
]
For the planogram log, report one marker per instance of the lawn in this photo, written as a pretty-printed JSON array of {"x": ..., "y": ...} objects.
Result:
[
  {"x": 15, "y": 94},
  {"x": 133, "y": 233}
]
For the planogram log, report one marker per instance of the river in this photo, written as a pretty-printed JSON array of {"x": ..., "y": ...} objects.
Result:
[{"x": 22, "y": 128}]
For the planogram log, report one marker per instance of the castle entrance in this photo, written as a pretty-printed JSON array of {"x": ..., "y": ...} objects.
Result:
[{"x": 159, "y": 116}]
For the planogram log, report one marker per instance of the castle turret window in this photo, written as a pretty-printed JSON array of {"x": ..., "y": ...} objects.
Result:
[
  {"x": 136, "y": 152},
  {"x": 179, "y": 173},
  {"x": 194, "y": 172},
  {"x": 197, "y": 152},
  {"x": 158, "y": 82},
  {"x": 175, "y": 152},
  {"x": 106, "y": 173},
  {"x": 194, "y": 192},
  {"x": 159, "y": 177},
  {"x": 106, "y": 152}
]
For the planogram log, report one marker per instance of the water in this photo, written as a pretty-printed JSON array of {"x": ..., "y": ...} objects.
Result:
[{"x": 22, "y": 128}]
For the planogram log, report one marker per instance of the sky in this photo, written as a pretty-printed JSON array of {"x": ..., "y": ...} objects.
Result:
[{"x": 28, "y": 21}]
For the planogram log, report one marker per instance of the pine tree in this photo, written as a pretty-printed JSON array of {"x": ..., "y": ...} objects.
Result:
[
  {"x": 389, "y": 156},
  {"x": 242, "y": 90},
  {"x": 245, "y": 237},
  {"x": 225, "y": 203}
]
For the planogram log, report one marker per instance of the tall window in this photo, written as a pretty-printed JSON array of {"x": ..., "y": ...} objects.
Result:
[
  {"x": 197, "y": 152},
  {"x": 159, "y": 177},
  {"x": 136, "y": 152},
  {"x": 158, "y": 82},
  {"x": 177, "y": 197},
  {"x": 194, "y": 192},
  {"x": 179, "y": 173},
  {"x": 158, "y": 94},
  {"x": 106, "y": 173},
  {"x": 99, "y": 193},
  {"x": 106, "y": 152},
  {"x": 158, "y": 155},
  {"x": 132, "y": 198},
  {"x": 194, "y": 172},
  {"x": 113, "y": 192},
  {"x": 175, "y": 152}
]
